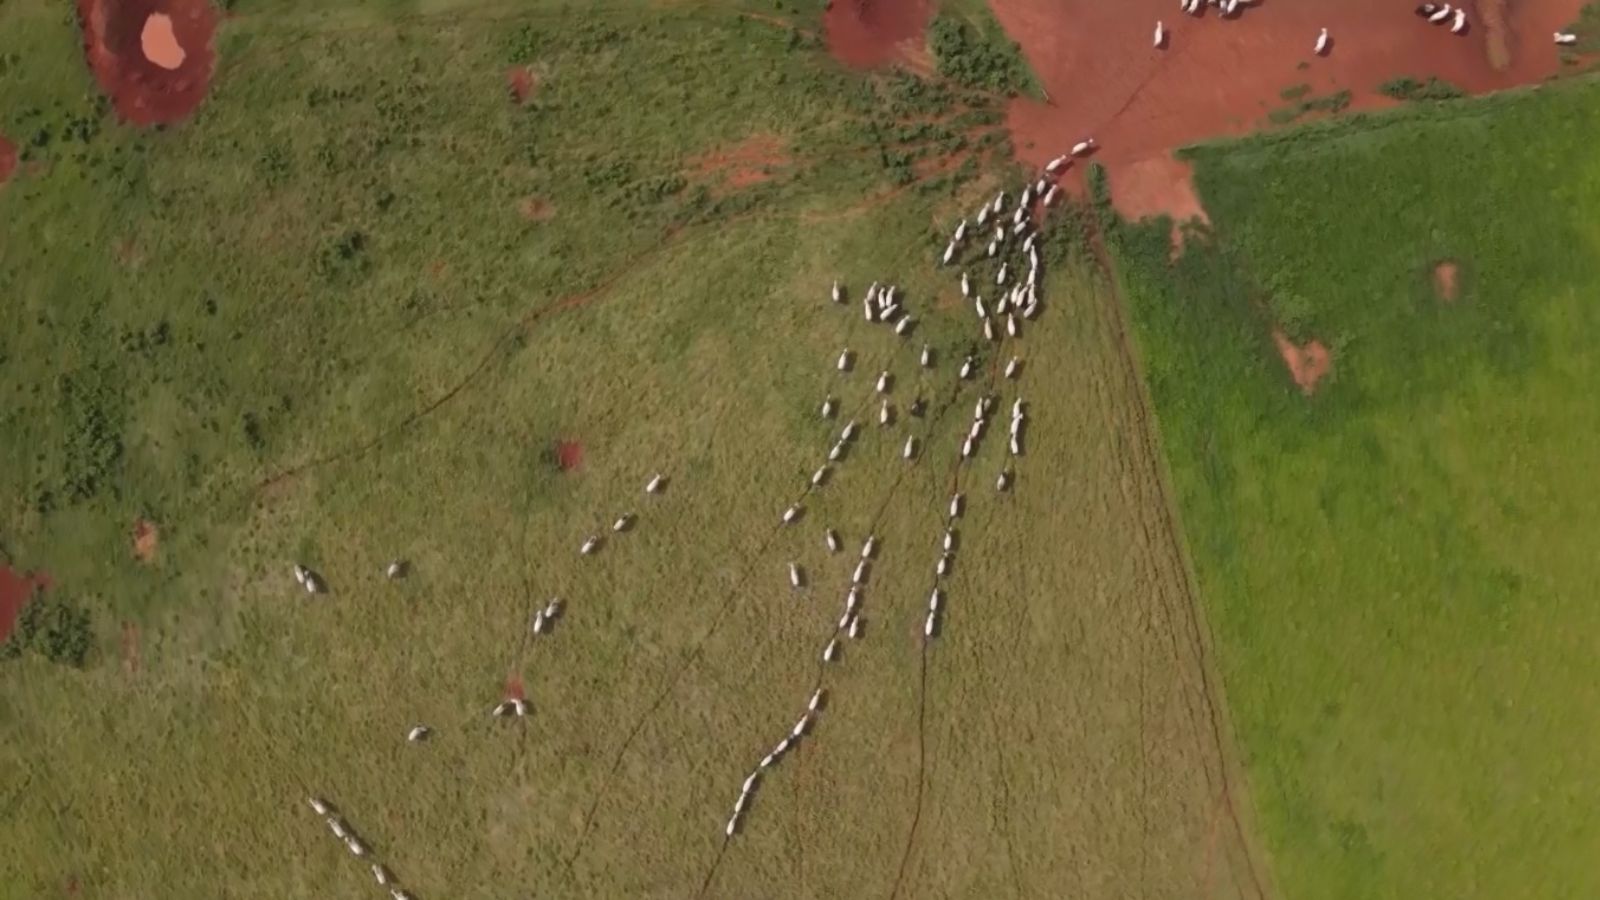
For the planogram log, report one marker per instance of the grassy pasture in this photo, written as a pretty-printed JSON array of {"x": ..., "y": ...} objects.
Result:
[
  {"x": 1400, "y": 567},
  {"x": 314, "y": 324}
]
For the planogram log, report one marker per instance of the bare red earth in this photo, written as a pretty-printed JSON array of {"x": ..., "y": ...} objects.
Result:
[
  {"x": 1221, "y": 77},
  {"x": 143, "y": 92},
  {"x": 864, "y": 34},
  {"x": 1307, "y": 363},
  {"x": 8, "y": 158},
  {"x": 521, "y": 82},
  {"x": 569, "y": 455},
  {"x": 754, "y": 160},
  {"x": 15, "y": 591}
]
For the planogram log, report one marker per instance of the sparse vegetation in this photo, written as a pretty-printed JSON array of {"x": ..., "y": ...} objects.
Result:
[
  {"x": 1406, "y": 88},
  {"x": 978, "y": 56}
]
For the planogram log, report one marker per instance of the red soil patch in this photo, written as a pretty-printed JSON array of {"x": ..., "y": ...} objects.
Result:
[
  {"x": 145, "y": 536},
  {"x": 1444, "y": 280},
  {"x": 1307, "y": 363},
  {"x": 8, "y": 158},
  {"x": 1156, "y": 185},
  {"x": 749, "y": 162},
  {"x": 521, "y": 82},
  {"x": 536, "y": 209},
  {"x": 569, "y": 455},
  {"x": 865, "y": 34},
  {"x": 130, "y": 55},
  {"x": 514, "y": 689},
  {"x": 1222, "y": 76},
  {"x": 15, "y": 591}
]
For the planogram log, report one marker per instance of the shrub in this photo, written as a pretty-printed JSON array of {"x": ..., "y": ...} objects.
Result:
[
  {"x": 1411, "y": 89},
  {"x": 53, "y": 627},
  {"x": 974, "y": 60}
]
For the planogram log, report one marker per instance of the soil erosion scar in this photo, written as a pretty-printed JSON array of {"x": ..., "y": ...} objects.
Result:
[{"x": 153, "y": 58}]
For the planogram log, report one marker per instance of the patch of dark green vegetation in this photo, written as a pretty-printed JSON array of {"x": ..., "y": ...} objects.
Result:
[{"x": 1406, "y": 88}]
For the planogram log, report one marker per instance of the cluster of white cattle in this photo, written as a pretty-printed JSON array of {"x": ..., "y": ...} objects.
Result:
[
  {"x": 1434, "y": 13},
  {"x": 344, "y": 832},
  {"x": 1440, "y": 13},
  {"x": 801, "y": 728}
]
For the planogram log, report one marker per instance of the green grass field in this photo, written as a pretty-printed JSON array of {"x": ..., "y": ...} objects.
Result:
[
  {"x": 1399, "y": 568},
  {"x": 314, "y": 324}
]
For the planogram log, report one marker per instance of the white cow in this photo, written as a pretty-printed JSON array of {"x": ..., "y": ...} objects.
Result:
[
  {"x": 418, "y": 733},
  {"x": 796, "y": 578},
  {"x": 1012, "y": 367},
  {"x": 844, "y": 360},
  {"x": 1161, "y": 35},
  {"x": 910, "y": 451},
  {"x": 927, "y": 357},
  {"x": 1084, "y": 146},
  {"x": 831, "y": 539},
  {"x": 590, "y": 545},
  {"x": 1322, "y": 42},
  {"x": 792, "y": 513},
  {"x": 820, "y": 475},
  {"x": 623, "y": 522},
  {"x": 656, "y": 483},
  {"x": 831, "y": 652},
  {"x": 838, "y": 294}
]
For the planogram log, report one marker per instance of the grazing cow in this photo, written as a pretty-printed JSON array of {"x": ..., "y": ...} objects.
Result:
[
  {"x": 1440, "y": 14},
  {"x": 1083, "y": 147},
  {"x": 791, "y": 514},
  {"x": 859, "y": 576},
  {"x": 910, "y": 451},
  {"x": 1050, "y": 195},
  {"x": 300, "y": 573},
  {"x": 967, "y": 447},
  {"x": 623, "y": 523},
  {"x": 356, "y": 847},
  {"x": 1460, "y": 23},
  {"x": 1161, "y": 35},
  {"x": 590, "y": 545},
  {"x": 949, "y": 253},
  {"x": 380, "y": 874},
  {"x": 966, "y": 285},
  {"x": 1322, "y": 42},
  {"x": 927, "y": 357},
  {"x": 844, "y": 360},
  {"x": 905, "y": 325},
  {"x": 796, "y": 577},
  {"x": 854, "y": 630},
  {"x": 983, "y": 215},
  {"x": 928, "y": 626},
  {"x": 956, "y": 503},
  {"x": 979, "y": 306},
  {"x": 1012, "y": 366},
  {"x": 988, "y": 330},
  {"x": 883, "y": 382},
  {"x": 961, "y": 231},
  {"x": 942, "y": 567},
  {"x": 869, "y": 547},
  {"x": 1565, "y": 37},
  {"x": 935, "y": 599},
  {"x": 1000, "y": 278},
  {"x": 418, "y": 734},
  {"x": 336, "y": 825},
  {"x": 838, "y": 293},
  {"x": 656, "y": 484},
  {"x": 831, "y": 652},
  {"x": 949, "y": 540},
  {"x": 552, "y": 610},
  {"x": 395, "y": 569},
  {"x": 319, "y": 805},
  {"x": 837, "y": 453},
  {"x": 820, "y": 475},
  {"x": 831, "y": 539},
  {"x": 1056, "y": 165},
  {"x": 1004, "y": 481},
  {"x": 828, "y": 406},
  {"x": 885, "y": 413},
  {"x": 966, "y": 368},
  {"x": 1011, "y": 325}
]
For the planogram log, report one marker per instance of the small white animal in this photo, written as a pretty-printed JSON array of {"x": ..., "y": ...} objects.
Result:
[
  {"x": 1322, "y": 42},
  {"x": 855, "y": 627},
  {"x": 356, "y": 847},
  {"x": 623, "y": 523},
  {"x": 831, "y": 538},
  {"x": 966, "y": 368},
  {"x": 1000, "y": 278},
  {"x": 796, "y": 579},
  {"x": 395, "y": 569},
  {"x": 949, "y": 253},
  {"x": 935, "y": 599},
  {"x": 1050, "y": 195},
  {"x": 1011, "y": 325},
  {"x": 838, "y": 295},
  {"x": 1460, "y": 23},
  {"x": 869, "y": 547},
  {"x": 337, "y": 827},
  {"x": 1057, "y": 164},
  {"x": 300, "y": 573},
  {"x": 553, "y": 609},
  {"x": 655, "y": 484},
  {"x": 1161, "y": 35},
  {"x": 418, "y": 733},
  {"x": 910, "y": 451},
  {"x": 844, "y": 360},
  {"x": 927, "y": 627},
  {"x": 836, "y": 453},
  {"x": 380, "y": 874},
  {"x": 904, "y": 325},
  {"x": 927, "y": 357},
  {"x": 860, "y": 574},
  {"x": 956, "y": 503},
  {"x": 883, "y": 383},
  {"x": 1566, "y": 37},
  {"x": 1012, "y": 367},
  {"x": 885, "y": 413},
  {"x": 1004, "y": 481},
  {"x": 849, "y": 432},
  {"x": 961, "y": 230},
  {"x": 942, "y": 567},
  {"x": 1440, "y": 14},
  {"x": 831, "y": 652},
  {"x": 817, "y": 696},
  {"x": 967, "y": 446},
  {"x": 828, "y": 406},
  {"x": 791, "y": 514},
  {"x": 988, "y": 329},
  {"x": 978, "y": 305},
  {"x": 590, "y": 545},
  {"x": 1083, "y": 146},
  {"x": 803, "y": 725},
  {"x": 318, "y": 805},
  {"x": 820, "y": 475},
  {"x": 949, "y": 540}
]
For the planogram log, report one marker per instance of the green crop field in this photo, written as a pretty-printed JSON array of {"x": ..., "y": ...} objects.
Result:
[
  {"x": 1400, "y": 567},
  {"x": 346, "y": 313}
]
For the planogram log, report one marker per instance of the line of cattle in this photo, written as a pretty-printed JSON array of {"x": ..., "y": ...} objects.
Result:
[{"x": 1434, "y": 13}]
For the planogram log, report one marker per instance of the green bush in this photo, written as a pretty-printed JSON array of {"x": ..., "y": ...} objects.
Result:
[
  {"x": 53, "y": 627},
  {"x": 975, "y": 60},
  {"x": 1405, "y": 88}
]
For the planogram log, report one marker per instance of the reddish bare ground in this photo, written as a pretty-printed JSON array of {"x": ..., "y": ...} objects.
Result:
[
  {"x": 1156, "y": 185},
  {"x": 514, "y": 689},
  {"x": 142, "y": 89},
  {"x": 569, "y": 455},
  {"x": 751, "y": 161},
  {"x": 145, "y": 537},
  {"x": 1444, "y": 280},
  {"x": 1307, "y": 363},
  {"x": 536, "y": 209},
  {"x": 1221, "y": 77},
  {"x": 15, "y": 591},
  {"x": 8, "y": 158},
  {"x": 521, "y": 82},
  {"x": 160, "y": 44},
  {"x": 865, "y": 34}
]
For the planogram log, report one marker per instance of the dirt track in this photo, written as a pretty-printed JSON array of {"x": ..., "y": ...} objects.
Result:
[
  {"x": 15, "y": 591},
  {"x": 1221, "y": 77}
]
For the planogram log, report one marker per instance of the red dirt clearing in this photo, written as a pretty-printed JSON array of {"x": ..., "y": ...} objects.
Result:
[
  {"x": 1307, "y": 363},
  {"x": 1445, "y": 275},
  {"x": 1222, "y": 76},
  {"x": 15, "y": 591},
  {"x": 749, "y": 162},
  {"x": 155, "y": 72},
  {"x": 569, "y": 455},
  {"x": 8, "y": 158},
  {"x": 536, "y": 209},
  {"x": 864, "y": 34},
  {"x": 145, "y": 538},
  {"x": 521, "y": 82},
  {"x": 1156, "y": 185}
]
